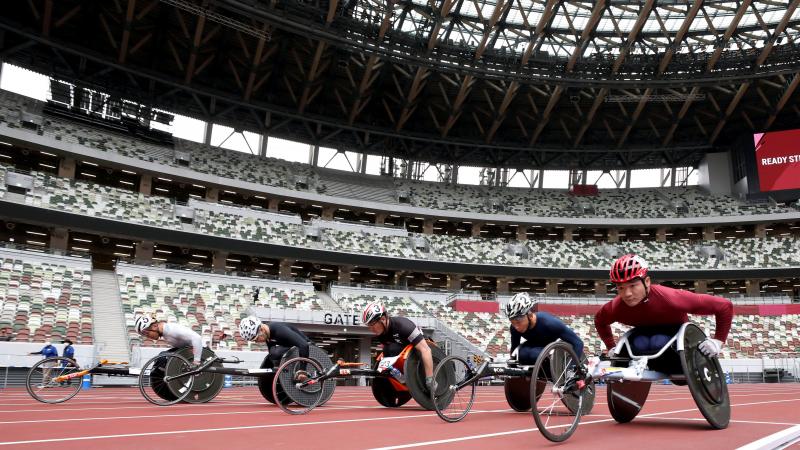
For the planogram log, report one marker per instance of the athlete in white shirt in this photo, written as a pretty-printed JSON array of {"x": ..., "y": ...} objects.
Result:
[{"x": 176, "y": 335}]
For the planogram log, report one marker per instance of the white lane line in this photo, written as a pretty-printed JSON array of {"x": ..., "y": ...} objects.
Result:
[
  {"x": 780, "y": 439},
  {"x": 770, "y": 401},
  {"x": 144, "y": 406},
  {"x": 505, "y": 433},
  {"x": 474, "y": 436},
  {"x": 158, "y": 416},
  {"x": 746, "y": 422},
  {"x": 207, "y": 430}
]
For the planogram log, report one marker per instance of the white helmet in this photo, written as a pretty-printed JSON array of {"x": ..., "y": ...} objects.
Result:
[
  {"x": 248, "y": 328},
  {"x": 143, "y": 322},
  {"x": 519, "y": 305}
]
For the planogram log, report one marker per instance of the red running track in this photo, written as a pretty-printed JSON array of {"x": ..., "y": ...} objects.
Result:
[{"x": 239, "y": 418}]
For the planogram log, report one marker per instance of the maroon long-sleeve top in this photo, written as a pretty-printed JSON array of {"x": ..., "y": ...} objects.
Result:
[{"x": 664, "y": 306}]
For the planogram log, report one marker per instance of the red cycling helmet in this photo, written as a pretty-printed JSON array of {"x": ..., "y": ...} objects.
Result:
[{"x": 628, "y": 267}]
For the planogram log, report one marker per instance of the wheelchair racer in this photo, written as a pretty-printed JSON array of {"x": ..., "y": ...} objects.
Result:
[
  {"x": 278, "y": 336},
  {"x": 395, "y": 333},
  {"x": 657, "y": 311},
  {"x": 538, "y": 328},
  {"x": 175, "y": 334}
]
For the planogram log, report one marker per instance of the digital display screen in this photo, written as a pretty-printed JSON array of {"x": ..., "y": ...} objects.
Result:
[{"x": 778, "y": 160}]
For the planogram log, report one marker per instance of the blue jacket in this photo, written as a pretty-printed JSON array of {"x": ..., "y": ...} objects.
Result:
[
  {"x": 49, "y": 351},
  {"x": 69, "y": 352}
]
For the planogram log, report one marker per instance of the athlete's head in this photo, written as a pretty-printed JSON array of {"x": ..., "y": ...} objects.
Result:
[
  {"x": 519, "y": 310},
  {"x": 375, "y": 317},
  {"x": 629, "y": 273},
  {"x": 251, "y": 329},
  {"x": 147, "y": 326}
]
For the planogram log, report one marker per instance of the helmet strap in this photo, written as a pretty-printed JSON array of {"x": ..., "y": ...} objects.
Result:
[
  {"x": 531, "y": 321},
  {"x": 380, "y": 321},
  {"x": 646, "y": 290}
]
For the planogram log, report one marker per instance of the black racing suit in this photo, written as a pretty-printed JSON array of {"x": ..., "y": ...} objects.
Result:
[
  {"x": 399, "y": 333},
  {"x": 282, "y": 337}
]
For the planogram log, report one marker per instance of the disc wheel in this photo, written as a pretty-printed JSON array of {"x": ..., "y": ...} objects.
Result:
[
  {"x": 206, "y": 385},
  {"x": 49, "y": 381},
  {"x": 265, "y": 380},
  {"x": 626, "y": 398},
  {"x": 517, "y": 391},
  {"x": 320, "y": 356},
  {"x": 452, "y": 396},
  {"x": 292, "y": 395},
  {"x": 706, "y": 379},
  {"x": 385, "y": 393},
  {"x": 571, "y": 399},
  {"x": 160, "y": 382},
  {"x": 414, "y": 371},
  {"x": 325, "y": 361},
  {"x": 555, "y": 372}
]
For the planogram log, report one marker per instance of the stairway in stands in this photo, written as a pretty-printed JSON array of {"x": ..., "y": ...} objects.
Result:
[{"x": 110, "y": 333}]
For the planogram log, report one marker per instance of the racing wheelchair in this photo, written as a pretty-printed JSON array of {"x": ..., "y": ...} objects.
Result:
[
  {"x": 559, "y": 378},
  {"x": 389, "y": 390},
  {"x": 563, "y": 389},
  {"x": 58, "y": 379},
  {"x": 169, "y": 377}
]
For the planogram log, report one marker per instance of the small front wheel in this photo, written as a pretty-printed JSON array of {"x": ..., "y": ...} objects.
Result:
[
  {"x": 557, "y": 374},
  {"x": 54, "y": 380},
  {"x": 162, "y": 382},
  {"x": 452, "y": 395},
  {"x": 296, "y": 388}
]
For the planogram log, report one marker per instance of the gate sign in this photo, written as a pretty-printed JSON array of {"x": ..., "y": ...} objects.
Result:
[{"x": 342, "y": 319}]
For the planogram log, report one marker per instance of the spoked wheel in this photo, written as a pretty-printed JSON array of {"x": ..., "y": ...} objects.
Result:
[
  {"x": 453, "y": 396},
  {"x": 53, "y": 380},
  {"x": 557, "y": 372},
  {"x": 160, "y": 381},
  {"x": 290, "y": 389}
]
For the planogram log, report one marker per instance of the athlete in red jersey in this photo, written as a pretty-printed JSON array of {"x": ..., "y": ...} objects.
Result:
[{"x": 657, "y": 311}]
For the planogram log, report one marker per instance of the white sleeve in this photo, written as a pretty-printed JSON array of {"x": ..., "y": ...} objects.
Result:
[
  {"x": 197, "y": 347},
  {"x": 178, "y": 336}
]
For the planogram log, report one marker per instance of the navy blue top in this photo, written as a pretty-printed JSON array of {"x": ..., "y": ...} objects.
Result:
[
  {"x": 69, "y": 352},
  {"x": 547, "y": 330},
  {"x": 287, "y": 336}
]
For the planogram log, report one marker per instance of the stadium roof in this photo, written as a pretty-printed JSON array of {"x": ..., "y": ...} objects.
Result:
[{"x": 519, "y": 83}]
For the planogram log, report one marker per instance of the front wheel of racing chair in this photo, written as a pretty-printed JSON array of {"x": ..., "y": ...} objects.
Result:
[
  {"x": 160, "y": 380},
  {"x": 454, "y": 388},
  {"x": 559, "y": 374},
  {"x": 53, "y": 380},
  {"x": 295, "y": 388}
]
